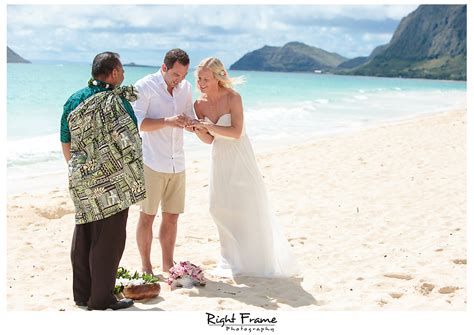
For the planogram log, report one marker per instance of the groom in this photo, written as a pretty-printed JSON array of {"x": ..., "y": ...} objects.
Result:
[{"x": 163, "y": 109}]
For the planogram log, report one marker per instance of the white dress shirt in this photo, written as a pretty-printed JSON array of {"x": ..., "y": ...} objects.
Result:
[{"x": 162, "y": 149}]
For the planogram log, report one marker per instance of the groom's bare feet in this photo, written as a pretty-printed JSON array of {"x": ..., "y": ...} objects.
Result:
[
  {"x": 159, "y": 276},
  {"x": 147, "y": 270},
  {"x": 168, "y": 266}
]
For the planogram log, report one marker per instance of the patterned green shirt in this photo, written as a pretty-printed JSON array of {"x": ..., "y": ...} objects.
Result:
[
  {"x": 94, "y": 86},
  {"x": 106, "y": 165}
]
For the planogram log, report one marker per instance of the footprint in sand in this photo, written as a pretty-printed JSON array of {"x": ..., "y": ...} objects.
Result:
[
  {"x": 220, "y": 304},
  {"x": 53, "y": 213},
  {"x": 396, "y": 295},
  {"x": 299, "y": 240},
  {"x": 398, "y": 276},
  {"x": 426, "y": 288},
  {"x": 382, "y": 302},
  {"x": 208, "y": 262},
  {"x": 459, "y": 261},
  {"x": 448, "y": 289},
  {"x": 198, "y": 239}
]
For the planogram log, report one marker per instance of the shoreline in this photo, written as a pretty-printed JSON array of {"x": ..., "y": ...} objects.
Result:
[
  {"x": 267, "y": 146},
  {"x": 350, "y": 75},
  {"x": 45, "y": 180}
]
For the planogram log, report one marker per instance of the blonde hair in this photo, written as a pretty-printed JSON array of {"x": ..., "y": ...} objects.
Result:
[{"x": 219, "y": 72}]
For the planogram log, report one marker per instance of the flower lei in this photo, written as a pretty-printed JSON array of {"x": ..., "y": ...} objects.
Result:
[{"x": 127, "y": 92}]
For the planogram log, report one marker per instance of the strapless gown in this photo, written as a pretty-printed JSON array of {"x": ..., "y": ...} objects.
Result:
[{"x": 252, "y": 242}]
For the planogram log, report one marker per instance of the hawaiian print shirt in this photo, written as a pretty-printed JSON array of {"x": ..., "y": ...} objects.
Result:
[{"x": 106, "y": 165}]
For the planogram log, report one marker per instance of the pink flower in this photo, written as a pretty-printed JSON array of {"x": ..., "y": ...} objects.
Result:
[{"x": 186, "y": 268}]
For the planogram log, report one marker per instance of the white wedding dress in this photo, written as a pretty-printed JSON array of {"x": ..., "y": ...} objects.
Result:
[{"x": 252, "y": 242}]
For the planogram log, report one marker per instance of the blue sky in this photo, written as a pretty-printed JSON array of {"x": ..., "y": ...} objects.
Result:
[{"x": 142, "y": 34}]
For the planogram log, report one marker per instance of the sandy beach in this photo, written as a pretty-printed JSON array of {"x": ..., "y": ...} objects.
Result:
[{"x": 376, "y": 218}]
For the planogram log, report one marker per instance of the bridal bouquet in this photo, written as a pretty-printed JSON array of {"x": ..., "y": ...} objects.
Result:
[
  {"x": 185, "y": 274},
  {"x": 136, "y": 286}
]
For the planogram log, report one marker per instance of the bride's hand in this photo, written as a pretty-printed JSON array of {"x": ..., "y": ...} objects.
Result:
[
  {"x": 205, "y": 124},
  {"x": 191, "y": 129},
  {"x": 195, "y": 126},
  {"x": 199, "y": 128}
]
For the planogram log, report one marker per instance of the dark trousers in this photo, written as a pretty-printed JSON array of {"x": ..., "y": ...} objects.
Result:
[{"x": 96, "y": 250}]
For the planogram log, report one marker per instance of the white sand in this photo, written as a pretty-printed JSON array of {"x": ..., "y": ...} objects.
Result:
[{"x": 377, "y": 220}]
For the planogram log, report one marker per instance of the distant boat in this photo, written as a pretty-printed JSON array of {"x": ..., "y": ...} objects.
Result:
[{"x": 318, "y": 71}]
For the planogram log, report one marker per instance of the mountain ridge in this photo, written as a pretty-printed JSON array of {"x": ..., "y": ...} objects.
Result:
[
  {"x": 291, "y": 57},
  {"x": 430, "y": 42},
  {"x": 13, "y": 57}
]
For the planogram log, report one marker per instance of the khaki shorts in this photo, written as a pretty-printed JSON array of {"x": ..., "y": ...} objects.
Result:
[{"x": 165, "y": 188}]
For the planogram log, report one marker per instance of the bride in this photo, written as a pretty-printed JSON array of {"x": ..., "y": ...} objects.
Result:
[{"x": 252, "y": 243}]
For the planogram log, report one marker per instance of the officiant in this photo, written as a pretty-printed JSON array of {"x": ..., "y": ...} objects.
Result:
[{"x": 102, "y": 145}]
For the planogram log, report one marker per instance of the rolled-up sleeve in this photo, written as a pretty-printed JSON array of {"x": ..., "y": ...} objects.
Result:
[{"x": 140, "y": 106}]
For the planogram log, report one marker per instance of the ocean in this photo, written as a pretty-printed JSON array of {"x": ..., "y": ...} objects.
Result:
[{"x": 284, "y": 107}]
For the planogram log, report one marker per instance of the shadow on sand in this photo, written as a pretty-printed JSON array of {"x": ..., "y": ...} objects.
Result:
[{"x": 261, "y": 292}]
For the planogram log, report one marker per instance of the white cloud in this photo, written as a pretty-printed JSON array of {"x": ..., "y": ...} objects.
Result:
[
  {"x": 78, "y": 31},
  {"x": 378, "y": 38},
  {"x": 24, "y": 32}
]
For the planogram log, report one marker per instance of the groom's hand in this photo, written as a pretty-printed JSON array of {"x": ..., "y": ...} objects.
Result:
[
  {"x": 191, "y": 124},
  {"x": 191, "y": 129},
  {"x": 178, "y": 121}
]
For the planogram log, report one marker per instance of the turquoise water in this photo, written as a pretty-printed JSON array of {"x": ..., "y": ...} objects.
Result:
[{"x": 277, "y": 106}]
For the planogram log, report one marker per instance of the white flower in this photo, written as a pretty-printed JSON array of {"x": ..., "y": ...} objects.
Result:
[
  {"x": 135, "y": 282},
  {"x": 129, "y": 282},
  {"x": 121, "y": 281}
]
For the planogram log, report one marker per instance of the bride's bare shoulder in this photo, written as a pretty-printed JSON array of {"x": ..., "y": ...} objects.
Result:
[
  {"x": 232, "y": 93},
  {"x": 234, "y": 98},
  {"x": 200, "y": 100},
  {"x": 200, "y": 107}
]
